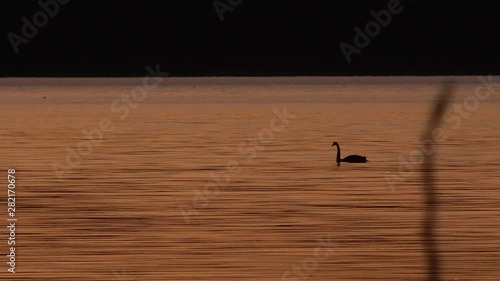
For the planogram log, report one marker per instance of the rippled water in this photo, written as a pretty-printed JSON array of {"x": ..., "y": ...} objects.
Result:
[{"x": 195, "y": 184}]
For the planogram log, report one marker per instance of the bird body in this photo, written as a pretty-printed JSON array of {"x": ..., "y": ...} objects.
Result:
[
  {"x": 354, "y": 159},
  {"x": 350, "y": 158}
]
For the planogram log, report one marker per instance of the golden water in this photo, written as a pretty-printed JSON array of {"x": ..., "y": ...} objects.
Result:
[{"x": 117, "y": 214}]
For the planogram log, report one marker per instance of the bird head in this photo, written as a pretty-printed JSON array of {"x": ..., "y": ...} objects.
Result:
[{"x": 335, "y": 143}]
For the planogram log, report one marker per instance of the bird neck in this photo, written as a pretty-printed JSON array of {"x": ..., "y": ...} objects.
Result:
[{"x": 338, "y": 153}]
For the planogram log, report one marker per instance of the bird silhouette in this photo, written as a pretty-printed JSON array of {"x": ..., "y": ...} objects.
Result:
[{"x": 350, "y": 158}]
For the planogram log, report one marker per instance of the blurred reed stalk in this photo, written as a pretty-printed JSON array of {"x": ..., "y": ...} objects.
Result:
[{"x": 429, "y": 185}]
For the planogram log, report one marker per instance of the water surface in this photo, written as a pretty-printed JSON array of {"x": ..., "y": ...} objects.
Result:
[{"x": 117, "y": 212}]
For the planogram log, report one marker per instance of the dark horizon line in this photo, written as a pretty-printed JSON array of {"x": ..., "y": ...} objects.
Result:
[{"x": 411, "y": 74}]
